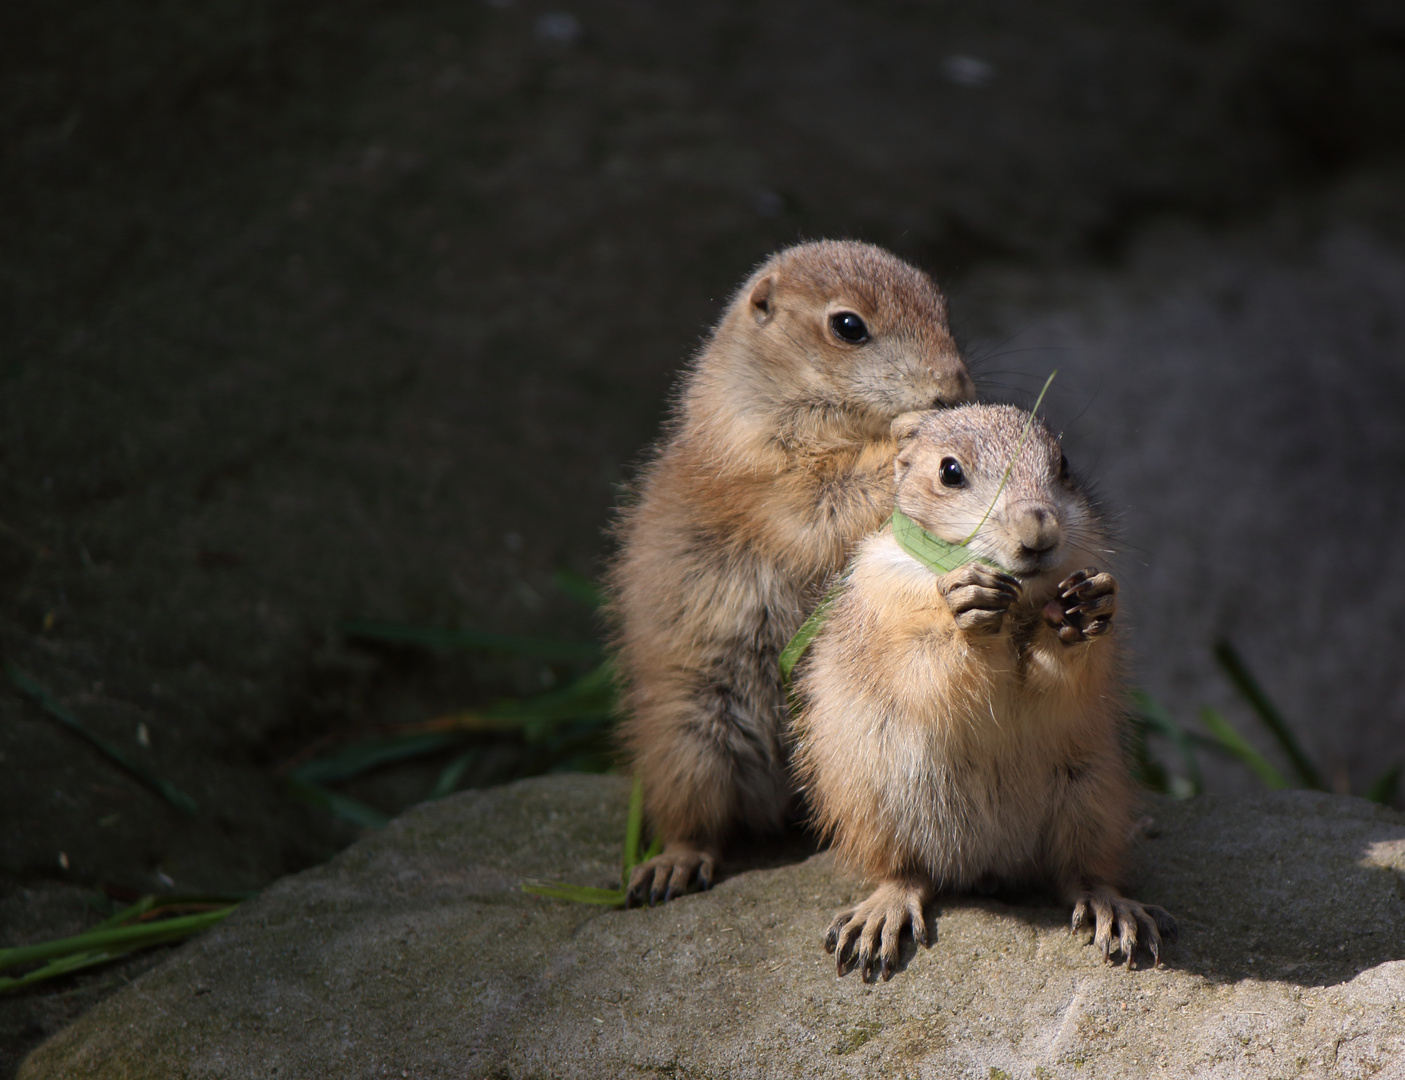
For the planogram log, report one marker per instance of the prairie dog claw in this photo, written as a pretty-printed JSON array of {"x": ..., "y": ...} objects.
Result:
[
  {"x": 670, "y": 874},
  {"x": 1113, "y": 919},
  {"x": 867, "y": 936}
]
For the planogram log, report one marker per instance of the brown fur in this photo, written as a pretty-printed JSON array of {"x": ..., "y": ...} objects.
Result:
[
  {"x": 965, "y": 728},
  {"x": 777, "y": 460}
]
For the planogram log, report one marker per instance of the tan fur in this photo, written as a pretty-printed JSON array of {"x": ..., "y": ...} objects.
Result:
[
  {"x": 950, "y": 736},
  {"x": 777, "y": 460}
]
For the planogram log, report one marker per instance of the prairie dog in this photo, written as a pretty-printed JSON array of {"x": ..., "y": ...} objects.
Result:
[
  {"x": 776, "y": 461},
  {"x": 964, "y": 728}
]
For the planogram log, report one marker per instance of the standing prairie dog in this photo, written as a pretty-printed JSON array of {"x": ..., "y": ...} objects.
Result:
[
  {"x": 963, "y": 728},
  {"x": 776, "y": 461}
]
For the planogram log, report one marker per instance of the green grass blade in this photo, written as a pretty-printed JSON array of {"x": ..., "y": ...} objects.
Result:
[
  {"x": 1235, "y": 744},
  {"x": 342, "y": 806},
  {"x": 62, "y": 966},
  {"x": 1160, "y": 721},
  {"x": 452, "y": 774},
  {"x": 579, "y": 587},
  {"x": 431, "y": 638},
  {"x": 127, "y": 914},
  {"x": 592, "y": 696},
  {"x": 1009, "y": 468},
  {"x": 1382, "y": 789},
  {"x": 50, "y": 705},
  {"x": 581, "y": 894},
  {"x": 118, "y": 937},
  {"x": 809, "y": 630},
  {"x": 358, "y": 758},
  {"x": 633, "y": 829},
  {"x": 1232, "y": 664}
]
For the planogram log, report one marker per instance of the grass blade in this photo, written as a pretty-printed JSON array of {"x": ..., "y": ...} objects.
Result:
[
  {"x": 1238, "y": 672},
  {"x": 358, "y": 758},
  {"x": 633, "y": 829},
  {"x": 431, "y": 638},
  {"x": 591, "y": 695},
  {"x": 1235, "y": 744},
  {"x": 1009, "y": 468},
  {"x": 579, "y": 587},
  {"x": 127, "y": 914},
  {"x": 62, "y": 966},
  {"x": 1159, "y": 720},
  {"x": 338, "y": 805},
  {"x": 123, "y": 938},
  {"x": 50, "y": 705},
  {"x": 450, "y": 777}
]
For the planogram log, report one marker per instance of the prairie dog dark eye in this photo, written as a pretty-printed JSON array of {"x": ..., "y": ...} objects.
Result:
[
  {"x": 848, "y": 327},
  {"x": 1063, "y": 467},
  {"x": 951, "y": 473}
]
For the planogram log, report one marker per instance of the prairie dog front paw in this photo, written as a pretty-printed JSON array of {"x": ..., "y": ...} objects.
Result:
[
  {"x": 979, "y": 596},
  {"x": 1084, "y": 606}
]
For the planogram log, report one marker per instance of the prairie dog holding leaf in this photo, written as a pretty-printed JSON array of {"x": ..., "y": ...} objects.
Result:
[
  {"x": 962, "y": 727},
  {"x": 777, "y": 460}
]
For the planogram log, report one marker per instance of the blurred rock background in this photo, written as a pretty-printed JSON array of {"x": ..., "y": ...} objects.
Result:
[{"x": 313, "y": 312}]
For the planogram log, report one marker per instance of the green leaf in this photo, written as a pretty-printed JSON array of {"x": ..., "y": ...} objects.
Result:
[
  {"x": 1238, "y": 672},
  {"x": 1236, "y": 745},
  {"x": 431, "y": 638},
  {"x": 342, "y": 806},
  {"x": 937, "y": 555},
  {"x": 46, "y": 701},
  {"x": 358, "y": 758}
]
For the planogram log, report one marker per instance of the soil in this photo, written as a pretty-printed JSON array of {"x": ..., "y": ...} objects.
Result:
[{"x": 315, "y": 312}]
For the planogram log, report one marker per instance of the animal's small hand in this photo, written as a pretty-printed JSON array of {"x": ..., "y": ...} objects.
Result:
[
  {"x": 1084, "y": 607},
  {"x": 979, "y": 595}
]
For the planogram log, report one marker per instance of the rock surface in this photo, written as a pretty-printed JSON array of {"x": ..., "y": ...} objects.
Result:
[{"x": 414, "y": 953}]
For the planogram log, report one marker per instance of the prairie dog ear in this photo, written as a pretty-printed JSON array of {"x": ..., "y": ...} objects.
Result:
[
  {"x": 760, "y": 299},
  {"x": 901, "y": 464},
  {"x": 906, "y": 426}
]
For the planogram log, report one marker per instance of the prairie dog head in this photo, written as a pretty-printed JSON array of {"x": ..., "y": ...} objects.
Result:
[
  {"x": 837, "y": 333},
  {"x": 949, "y": 466}
]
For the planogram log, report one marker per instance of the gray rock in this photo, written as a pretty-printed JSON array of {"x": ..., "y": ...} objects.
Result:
[{"x": 415, "y": 953}]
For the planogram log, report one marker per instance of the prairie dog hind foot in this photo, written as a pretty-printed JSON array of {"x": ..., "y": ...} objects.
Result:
[
  {"x": 1107, "y": 913},
  {"x": 671, "y": 873},
  {"x": 867, "y": 936}
]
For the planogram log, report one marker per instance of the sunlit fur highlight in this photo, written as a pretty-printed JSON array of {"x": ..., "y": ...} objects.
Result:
[
  {"x": 949, "y": 758},
  {"x": 778, "y": 458}
]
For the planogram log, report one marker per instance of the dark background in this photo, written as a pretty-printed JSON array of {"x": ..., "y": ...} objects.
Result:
[{"x": 313, "y": 312}]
